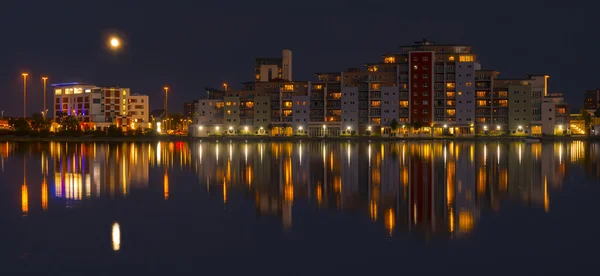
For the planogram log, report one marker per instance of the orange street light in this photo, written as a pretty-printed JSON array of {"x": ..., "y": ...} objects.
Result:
[
  {"x": 24, "y": 94},
  {"x": 44, "y": 79}
]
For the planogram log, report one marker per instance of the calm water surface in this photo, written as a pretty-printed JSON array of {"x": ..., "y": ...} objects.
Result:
[{"x": 310, "y": 208}]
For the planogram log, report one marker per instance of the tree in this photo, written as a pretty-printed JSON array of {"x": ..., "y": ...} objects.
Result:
[
  {"x": 19, "y": 125},
  {"x": 597, "y": 113},
  {"x": 417, "y": 126},
  {"x": 114, "y": 131},
  {"x": 39, "y": 124},
  {"x": 69, "y": 123},
  {"x": 394, "y": 125}
]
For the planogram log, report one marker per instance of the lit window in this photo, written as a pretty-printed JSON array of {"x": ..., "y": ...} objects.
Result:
[
  {"x": 318, "y": 86},
  {"x": 466, "y": 58},
  {"x": 287, "y": 104},
  {"x": 228, "y": 112},
  {"x": 450, "y": 58},
  {"x": 375, "y": 86},
  {"x": 375, "y": 103},
  {"x": 390, "y": 60},
  {"x": 287, "y": 112},
  {"x": 403, "y": 103},
  {"x": 288, "y": 87},
  {"x": 77, "y": 91},
  {"x": 450, "y": 85},
  {"x": 124, "y": 92},
  {"x": 228, "y": 103},
  {"x": 481, "y": 103},
  {"x": 58, "y": 91},
  {"x": 459, "y": 93},
  {"x": 450, "y": 94},
  {"x": 480, "y": 93},
  {"x": 469, "y": 84},
  {"x": 450, "y": 112}
]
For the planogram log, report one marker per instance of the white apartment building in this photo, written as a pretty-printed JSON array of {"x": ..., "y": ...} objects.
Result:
[
  {"x": 300, "y": 114},
  {"x": 209, "y": 119},
  {"x": 139, "y": 111},
  {"x": 349, "y": 108}
]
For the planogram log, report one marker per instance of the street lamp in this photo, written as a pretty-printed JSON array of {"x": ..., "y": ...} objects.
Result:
[
  {"x": 166, "y": 88},
  {"x": 44, "y": 79},
  {"x": 225, "y": 86},
  {"x": 498, "y": 127},
  {"x": 24, "y": 94}
]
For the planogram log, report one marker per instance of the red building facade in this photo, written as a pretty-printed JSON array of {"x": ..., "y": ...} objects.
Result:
[{"x": 421, "y": 86}]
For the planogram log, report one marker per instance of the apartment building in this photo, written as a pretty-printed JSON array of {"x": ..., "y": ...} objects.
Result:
[
  {"x": 99, "y": 107},
  {"x": 519, "y": 105},
  {"x": 189, "y": 109},
  {"x": 270, "y": 68},
  {"x": 591, "y": 100},
  {"x": 555, "y": 115},
  {"x": 491, "y": 106},
  {"x": 325, "y": 105},
  {"x": 433, "y": 88},
  {"x": 138, "y": 110},
  {"x": 209, "y": 119},
  {"x": 539, "y": 89}
]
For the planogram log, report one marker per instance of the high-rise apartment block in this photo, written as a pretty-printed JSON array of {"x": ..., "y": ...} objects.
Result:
[{"x": 424, "y": 89}]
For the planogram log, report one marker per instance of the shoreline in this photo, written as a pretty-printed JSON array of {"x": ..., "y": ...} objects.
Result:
[{"x": 283, "y": 139}]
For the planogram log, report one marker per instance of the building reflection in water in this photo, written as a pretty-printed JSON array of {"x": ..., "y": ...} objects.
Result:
[{"x": 428, "y": 189}]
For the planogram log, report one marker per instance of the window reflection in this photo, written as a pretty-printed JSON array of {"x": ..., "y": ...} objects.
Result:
[{"x": 434, "y": 188}]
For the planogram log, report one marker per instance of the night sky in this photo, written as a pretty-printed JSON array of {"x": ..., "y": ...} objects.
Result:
[{"x": 189, "y": 45}]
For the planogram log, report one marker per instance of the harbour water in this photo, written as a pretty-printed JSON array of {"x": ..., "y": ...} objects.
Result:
[{"x": 300, "y": 208}]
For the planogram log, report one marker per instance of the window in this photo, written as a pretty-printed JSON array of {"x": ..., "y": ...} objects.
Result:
[
  {"x": 288, "y": 87},
  {"x": 389, "y": 60},
  {"x": 425, "y": 102},
  {"x": 425, "y": 76},
  {"x": 503, "y": 103},
  {"x": 450, "y": 94},
  {"x": 376, "y": 103},
  {"x": 425, "y": 111},
  {"x": 450, "y": 112},
  {"x": 450, "y": 58},
  {"x": 58, "y": 91},
  {"x": 481, "y": 94},
  {"x": 459, "y": 93},
  {"x": 469, "y": 84},
  {"x": 481, "y": 103},
  {"x": 415, "y": 76},
  {"x": 403, "y": 103},
  {"x": 450, "y": 103},
  {"x": 466, "y": 58},
  {"x": 450, "y": 85},
  {"x": 425, "y": 58}
]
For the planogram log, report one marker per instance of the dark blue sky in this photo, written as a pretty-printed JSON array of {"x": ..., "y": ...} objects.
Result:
[{"x": 192, "y": 44}]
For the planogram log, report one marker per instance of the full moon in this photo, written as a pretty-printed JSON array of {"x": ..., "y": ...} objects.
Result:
[{"x": 114, "y": 42}]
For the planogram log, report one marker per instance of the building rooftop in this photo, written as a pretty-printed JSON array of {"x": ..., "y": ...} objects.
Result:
[{"x": 67, "y": 84}]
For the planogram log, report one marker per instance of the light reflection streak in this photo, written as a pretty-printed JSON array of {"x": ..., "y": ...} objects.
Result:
[
  {"x": 116, "y": 236},
  {"x": 393, "y": 185}
]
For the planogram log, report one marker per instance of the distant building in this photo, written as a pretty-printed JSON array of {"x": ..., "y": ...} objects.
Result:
[
  {"x": 591, "y": 99},
  {"x": 189, "y": 109}
]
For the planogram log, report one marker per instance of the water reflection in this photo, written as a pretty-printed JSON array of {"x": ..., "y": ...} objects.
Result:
[{"x": 423, "y": 188}]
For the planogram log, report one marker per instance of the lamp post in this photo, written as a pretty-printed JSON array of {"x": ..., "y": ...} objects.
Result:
[
  {"x": 24, "y": 94},
  {"x": 45, "y": 79},
  {"x": 166, "y": 88}
]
